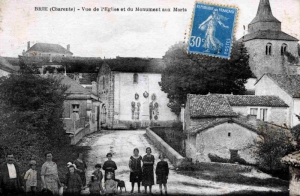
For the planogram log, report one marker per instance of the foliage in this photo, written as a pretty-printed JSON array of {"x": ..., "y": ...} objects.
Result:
[
  {"x": 273, "y": 144},
  {"x": 291, "y": 58},
  {"x": 31, "y": 109},
  {"x": 195, "y": 74}
]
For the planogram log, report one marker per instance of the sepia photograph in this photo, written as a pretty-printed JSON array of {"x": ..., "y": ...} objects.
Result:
[{"x": 150, "y": 97}]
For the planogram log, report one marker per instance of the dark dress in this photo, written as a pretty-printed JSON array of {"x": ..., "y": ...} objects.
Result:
[
  {"x": 148, "y": 175},
  {"x": 162, "y": 172},
  {"x": 135, "y": 164},
  {"x": 108, "y": 164},
  {"x": 73, "y": 183},
  {"x": 82, "y": 166}
]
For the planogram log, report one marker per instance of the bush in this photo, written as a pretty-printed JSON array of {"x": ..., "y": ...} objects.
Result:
[{"x": 273, "y": 144}]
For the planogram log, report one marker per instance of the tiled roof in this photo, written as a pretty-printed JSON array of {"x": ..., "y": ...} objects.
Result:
[
  {"x": 48, "y": 48},
  {"x": 84, "y": 78},
  {"x": 6, "y": 66},
  {"x": 74, "y": 87},
  {"x": 289, "y": 83},
  {"x": 209, "y": 106},
  {"x": 255, "y": 100},
  {"x": 268, "y": 34},
  {"x": 210, "y": 124},
  {"x": 139, "y": 65}
]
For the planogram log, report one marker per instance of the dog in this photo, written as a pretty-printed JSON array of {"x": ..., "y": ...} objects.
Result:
[{"x": 120, "y": 184}]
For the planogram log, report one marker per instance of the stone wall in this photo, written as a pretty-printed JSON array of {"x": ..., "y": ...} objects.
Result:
[
  {"x": 261, "y": 63},
  {"x": 219, "y": 140},
  {"x": 175, "y": 158}
]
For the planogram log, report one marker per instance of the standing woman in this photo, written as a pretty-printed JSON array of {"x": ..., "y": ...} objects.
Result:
[
  {"x": 81, "y": 167},
  {"x": 109, "y": 166},
  {"x": 135, "y": 165},
  {"x": 49, "y": 174},
  {"x": 148, "y": 175}
]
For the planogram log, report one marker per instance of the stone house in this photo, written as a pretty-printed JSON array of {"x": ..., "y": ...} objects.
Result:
[
  {"x": 46, "y": 49},
  {"x": 287, "y": 87},
  {"x": 81, "y": 110},
  {"x": 226, "y": 125},
  {"x": 6, "y": 68},
  {"x": 130, "y": 91}
]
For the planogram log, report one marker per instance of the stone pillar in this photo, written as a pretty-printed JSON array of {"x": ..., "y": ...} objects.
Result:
[{"x": 294, "y": 181}]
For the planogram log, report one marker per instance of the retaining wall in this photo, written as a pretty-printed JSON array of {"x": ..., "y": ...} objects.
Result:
[
  {"x": 176, "y": 159},
  {"x": 80, "y": 133}
]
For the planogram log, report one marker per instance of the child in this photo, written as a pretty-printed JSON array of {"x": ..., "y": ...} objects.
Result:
[
  {"x": 99, "y": 175},
  {"x": 109, "y": 166},
  {"x": 73, "y": 182},
  {"x": 31, "y": 178},
  {"x": 110, "y": 185},
  {"x": 95, "y": 186},
  {"x": 162, "y": 172}
]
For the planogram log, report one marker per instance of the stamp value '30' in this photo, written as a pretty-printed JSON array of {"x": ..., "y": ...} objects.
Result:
[{"x": 212, "y": 30}]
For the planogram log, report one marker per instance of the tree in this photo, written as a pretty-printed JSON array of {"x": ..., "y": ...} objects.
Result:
[
  {"x": 273, "y": 144},
  {"x": 195, "y": 74},
  {"x": 31, "y": 109}
]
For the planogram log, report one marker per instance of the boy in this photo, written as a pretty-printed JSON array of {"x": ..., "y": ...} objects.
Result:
[
  {"x": 110, "y": 185},
  {"x": 31, "y": 178}
]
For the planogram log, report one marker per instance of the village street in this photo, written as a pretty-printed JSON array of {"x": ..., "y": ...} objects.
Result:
[{"x": 122, "y": 143}]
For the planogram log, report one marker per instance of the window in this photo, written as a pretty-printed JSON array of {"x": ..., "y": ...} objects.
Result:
[
  {"x": 103, "y": 82},
  {"x": 283, "y": 49},
  {"x": 50, "y": 58},
  {"x": 253, "y": 111},
  {"x": 269, "y": 49},
  {"x": 229, "y": 134},
  {"x": 75, "y": 108},
  {"x": 263, "y": 114},
  {"x": 135, "y": 78}
]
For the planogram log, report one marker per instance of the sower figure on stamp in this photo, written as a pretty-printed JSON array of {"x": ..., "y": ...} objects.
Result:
[
  {"x": 135, "y": 165},
  {"x": 210, "y": 24},
  {"x": 148, "y": 173},
  {"x": 11, "y": 182}
]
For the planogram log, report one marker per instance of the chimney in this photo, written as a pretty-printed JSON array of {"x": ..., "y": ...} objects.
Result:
[
  {"x": 28, "y": 45},
  {"x": 68, "y": 47}
]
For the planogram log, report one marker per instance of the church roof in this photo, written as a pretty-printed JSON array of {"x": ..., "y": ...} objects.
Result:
[
  {"x": 211, "y": 105},
  {"x": 268, "y": 34},
  {"x": 289, "y": 83},
  {"x": 138, "y": 65},
  {"x": 48, "y": 48},
  {"x": 264, "y": 13}
]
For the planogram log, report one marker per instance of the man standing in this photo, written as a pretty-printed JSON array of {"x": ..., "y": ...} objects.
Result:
[{"x": 10, "y": 179}]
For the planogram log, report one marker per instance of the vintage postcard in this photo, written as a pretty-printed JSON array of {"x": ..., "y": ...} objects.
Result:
[{"x": 149, "y": 97}]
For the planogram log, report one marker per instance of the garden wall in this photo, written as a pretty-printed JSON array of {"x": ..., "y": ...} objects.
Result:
[{"x": 176, "y": 159}]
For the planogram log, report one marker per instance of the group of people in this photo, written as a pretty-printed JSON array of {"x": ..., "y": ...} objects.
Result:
[{"x": 141, "y": 171}]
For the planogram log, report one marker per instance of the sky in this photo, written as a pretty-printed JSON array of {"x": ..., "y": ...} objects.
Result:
[{"x": 123, "y": 33}]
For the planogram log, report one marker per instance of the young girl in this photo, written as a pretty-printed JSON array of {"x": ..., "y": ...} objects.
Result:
[
  {"x": 99, "y": 176},
  {"x": 162, "y": 172},
  {"x": 95, "y": 186},
  {"x": 110, "y": 185},
  {"x": 73, "y": 182},
  {"x": 109, "y": 166},
  {"x": 31, "y": 178}
]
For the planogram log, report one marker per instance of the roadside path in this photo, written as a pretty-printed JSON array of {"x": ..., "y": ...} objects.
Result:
[{"x": 122, "y": 143}]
